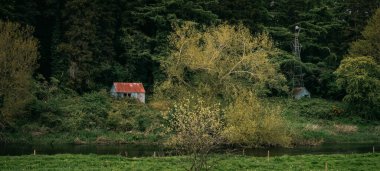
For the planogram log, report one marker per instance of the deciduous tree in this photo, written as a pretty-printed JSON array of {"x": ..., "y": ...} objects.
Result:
[
  {"x": 18, "y": 55},
  {"x": 219, "y": 62},
  {"x": 196, "y": 127},
  {"x": 370, "y": 44},
  {"x": 359, "y": 76}
]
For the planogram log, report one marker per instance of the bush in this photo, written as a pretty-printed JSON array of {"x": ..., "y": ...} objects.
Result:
[
  {"x": 128, "y": 115},
  {"x": 317, "y": 108},
  {"x": 47, "y": 113},
  {"x": 86, "y": 112},
  {"x": 250, "y": 123}
]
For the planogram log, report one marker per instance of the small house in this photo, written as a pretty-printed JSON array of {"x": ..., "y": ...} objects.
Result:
[
  {"x": 132, "y": 90},
  {"x": 300, "y": 92}
]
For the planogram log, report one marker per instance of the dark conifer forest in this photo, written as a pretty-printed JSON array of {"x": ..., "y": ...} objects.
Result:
[{"x": 119, "y": 40}]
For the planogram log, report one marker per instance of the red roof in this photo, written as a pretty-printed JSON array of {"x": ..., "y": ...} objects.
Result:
[{"x": 129, "y": 87}]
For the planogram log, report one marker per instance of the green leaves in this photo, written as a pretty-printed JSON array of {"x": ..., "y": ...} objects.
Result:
[{"x": 359, "y": 76}]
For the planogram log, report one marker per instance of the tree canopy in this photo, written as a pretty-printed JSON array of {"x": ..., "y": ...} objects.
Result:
[{"x": 219, "y": 61}]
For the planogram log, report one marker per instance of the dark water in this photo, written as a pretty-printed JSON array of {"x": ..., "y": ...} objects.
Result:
[{"x": 141, "y": 150}]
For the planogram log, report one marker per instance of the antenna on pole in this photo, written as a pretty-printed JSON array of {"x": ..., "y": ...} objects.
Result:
[{"x": 298, "y": 88}]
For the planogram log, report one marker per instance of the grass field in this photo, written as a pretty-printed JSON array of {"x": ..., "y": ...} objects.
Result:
[{"x": 220, "y": 162}]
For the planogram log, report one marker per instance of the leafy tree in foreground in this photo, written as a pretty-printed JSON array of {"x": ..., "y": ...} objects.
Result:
[
  {"x": 18, "y": 56},
  {"x": 359, "y": 76},
  {"x": 197, "y": 126}
]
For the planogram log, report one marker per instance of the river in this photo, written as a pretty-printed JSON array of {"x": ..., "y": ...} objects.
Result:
[{"x": 143, "y": 150}]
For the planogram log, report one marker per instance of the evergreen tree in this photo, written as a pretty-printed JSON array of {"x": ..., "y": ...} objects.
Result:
[
  {"x": 253, "y": 14},
  {"x": 356, "y": 13},
  {"x": 87, "y": 47}
]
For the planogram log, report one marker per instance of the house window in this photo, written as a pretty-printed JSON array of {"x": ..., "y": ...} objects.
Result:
[{"x": 129, "y": 94}]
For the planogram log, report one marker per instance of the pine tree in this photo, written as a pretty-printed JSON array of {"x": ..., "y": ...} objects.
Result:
[{"x": 86, "y": 49}]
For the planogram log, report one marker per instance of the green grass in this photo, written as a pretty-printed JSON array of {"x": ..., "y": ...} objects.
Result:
[{"x": 221, "y": 162}]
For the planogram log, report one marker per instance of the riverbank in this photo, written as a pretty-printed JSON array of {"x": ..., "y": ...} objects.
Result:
[
  {"x": 221, "y": 162},
  {"x": 82, "y": 137}
]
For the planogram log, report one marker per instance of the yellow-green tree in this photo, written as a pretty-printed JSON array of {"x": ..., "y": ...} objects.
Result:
[
  {"x": 369, "y": 45},
  {"x": 218, "y": 61},
  {"x": 251, "y": 123},
  {"x": 224, "y": 64},
  {"x": 196, "y": 128},
  {"x": 18, "y": 55}
]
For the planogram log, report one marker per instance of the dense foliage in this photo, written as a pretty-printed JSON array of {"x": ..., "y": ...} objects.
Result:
[
  {"x": 126, "y": 40},
  {"x": 359, "y": 76},
  {"x": 250, "y": 122},
  {"x": 218, "y": 62},
  {"x": 219, "y": 50}
]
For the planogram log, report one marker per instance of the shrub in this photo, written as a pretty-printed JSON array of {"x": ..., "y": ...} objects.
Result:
[
  {"x": 317, "y": 108},
  {"x": 127, "y": 115},
  {"x": 87, "y": 111},
  {"x": 250, "y": 123}
]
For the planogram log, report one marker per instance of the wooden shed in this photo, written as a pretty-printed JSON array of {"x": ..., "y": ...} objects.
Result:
[{"x": 132, "y": 90}]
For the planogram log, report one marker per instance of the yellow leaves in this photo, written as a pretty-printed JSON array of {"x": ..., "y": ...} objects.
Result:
[
  {"x": 219, "y": 57},
  {"x": 251, "y": 123},
  {"x": 196, "y": 124},
  {"x": 222, "y": 63}
]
